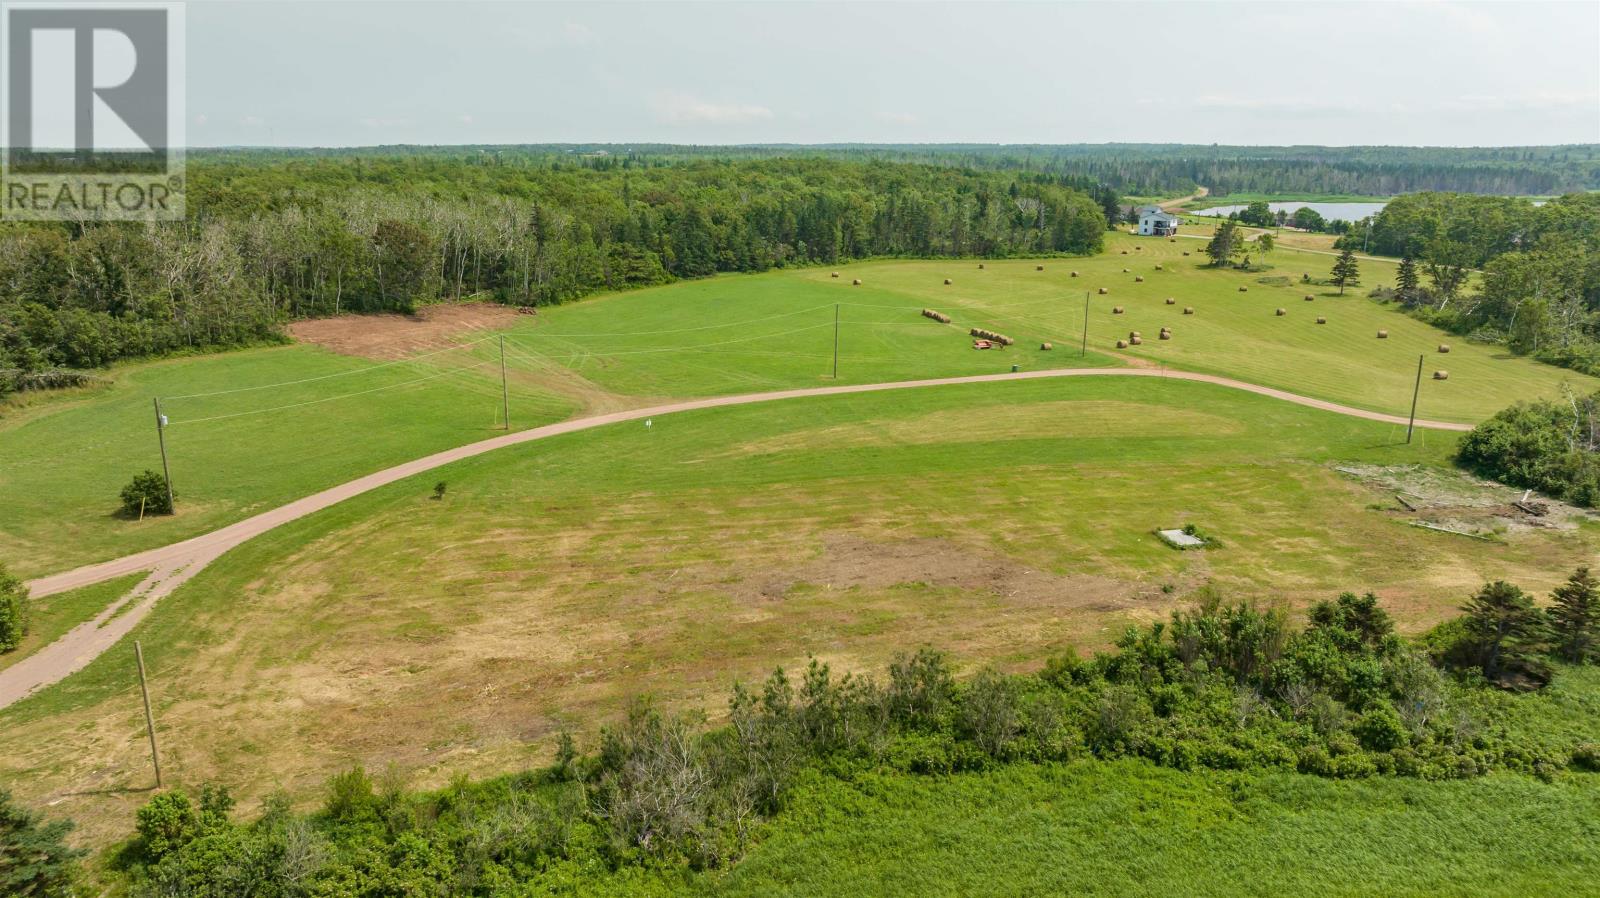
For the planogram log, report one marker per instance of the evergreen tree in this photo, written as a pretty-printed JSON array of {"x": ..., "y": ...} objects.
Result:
[
  {"x": 1405, "y": 279},
  {"x": 1225, "y": 243},
  {"x": 1506, "y": 632},
  {"x": 34, "y": 857},
  {"x": 1345, "y": 270},
  {"x": 1575, "y": 617}
]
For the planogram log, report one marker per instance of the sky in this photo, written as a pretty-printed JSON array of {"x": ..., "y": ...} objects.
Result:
[{"x": 366, "y": 73}]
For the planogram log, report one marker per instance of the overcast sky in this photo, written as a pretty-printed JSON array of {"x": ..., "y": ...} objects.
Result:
[{"x": 362, "y": 73}]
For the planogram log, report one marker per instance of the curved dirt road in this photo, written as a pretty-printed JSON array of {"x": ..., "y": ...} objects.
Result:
[{"x": 170, "y": 566}]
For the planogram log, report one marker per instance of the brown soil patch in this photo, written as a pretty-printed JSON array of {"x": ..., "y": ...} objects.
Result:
[{"x": 392, "y": 336}]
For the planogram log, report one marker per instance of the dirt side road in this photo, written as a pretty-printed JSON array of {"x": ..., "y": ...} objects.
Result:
[{"x": 172, "y": 565}]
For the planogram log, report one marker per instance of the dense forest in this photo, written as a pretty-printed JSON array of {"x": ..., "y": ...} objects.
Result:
[
  {"x": 283, "y": 236},
  {"x": 275, "y": 235},
  {"x": 1539, "y": 289}
]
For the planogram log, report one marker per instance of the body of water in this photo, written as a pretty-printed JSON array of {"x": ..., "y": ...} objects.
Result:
[{"x": 1329, "y": 211}]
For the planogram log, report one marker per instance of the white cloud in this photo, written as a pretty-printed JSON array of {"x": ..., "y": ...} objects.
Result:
[
  {"x": 465, "y": 118},
  {"x": 682, "y": 109}
]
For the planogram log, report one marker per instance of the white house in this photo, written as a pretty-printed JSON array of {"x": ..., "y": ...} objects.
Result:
[{"x": 1155, "y": 223}]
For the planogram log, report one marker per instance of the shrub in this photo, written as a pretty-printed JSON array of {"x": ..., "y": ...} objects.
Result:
[
  {"x": 166, "y": 823},
  {"x": 1381, "y": 729},
  {"x": 146, "y": 494},
  {"x": 1587, "y": 757},
  {"x": 350, "y": 796},
  {"x": 13, "y": 610}
]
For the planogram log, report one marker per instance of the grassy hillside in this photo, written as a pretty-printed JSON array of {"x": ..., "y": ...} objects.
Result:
[
  {"x": 287, "y": 421},
  {"x": 1001, "y": 521}
]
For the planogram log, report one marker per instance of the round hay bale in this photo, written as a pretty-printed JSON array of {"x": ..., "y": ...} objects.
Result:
[
  {"x": 1166, "y": 335},
  {"x": 1136, "y": 341},
  {"x": 1282, "y": 312},
  {"x": 1132, "y": 334},
  {"x": 1309, "y": 297},
  {"x": 835, "y": 274},
  {"x": 1441, "y": 375},
  {"x": 1074, "y": 274},
  {"x": 1243, "y": 289},
  {"x": 1122, "y": 344},
  {"x": 1104, "y": 291},
  {"x": 1188, "y": 310},
  {"x": 948, "y": 282},
  {"x": 980, "y": 266},
  {"x": 1186, "y": 252},
  {"x": 1158, "y": 268},
  {"x": 1138, "y": 279},
  {"x": 1038, "y": 268},
  {"x": 1383, "y": 335},
  {"x": 856, "y": 282},
  {"x": 1116, "y": 310},
  {"x": 1321, "y": 320},
  {"x": 1046, "y": 347},
  {"x": 1444, "y": 347},
  {"x": 1172, "y": 301},
  {"x": 1124, "y": 252},
  {"x": 1126, "y": 270}
]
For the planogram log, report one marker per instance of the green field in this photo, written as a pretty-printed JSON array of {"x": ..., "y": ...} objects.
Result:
[
  {"x": 257, "y": 444},
  {"x": 1001, "y": 521},
  {"x": 1129, "y": 829}
]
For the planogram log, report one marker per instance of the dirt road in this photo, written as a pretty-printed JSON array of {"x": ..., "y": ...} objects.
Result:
[{"x": 170, "y": 566}]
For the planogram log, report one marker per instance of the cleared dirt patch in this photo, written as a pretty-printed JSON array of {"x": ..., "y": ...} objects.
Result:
[
  {"x": 392, "y": 336},
  {"x": 1458, "y": 501}
]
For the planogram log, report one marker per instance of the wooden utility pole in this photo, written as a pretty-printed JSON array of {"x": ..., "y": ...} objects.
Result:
[
  {"x": 505, "y": 393},
  {"x": 1085, "y": 350},
  {"x": 166, "y": 472},
  {"x": 149, "y": 719},
  {"x": 835, "y": 341},
  {"x": 1415, "y": 392}
]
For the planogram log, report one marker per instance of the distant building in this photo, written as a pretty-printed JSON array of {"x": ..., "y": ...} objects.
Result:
[{"x": 1155, "y": 223}]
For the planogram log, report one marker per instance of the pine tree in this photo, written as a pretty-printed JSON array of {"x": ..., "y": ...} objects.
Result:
[
  {"x": 1507, "y": 632},
  {"x": 1406, "y": 278},
  {"x": 1225, "y": 243},
  {"x": 1345, "y": 270},
  {"x": 1575, "y": 617},
  {"x": 34, "y": 856}
]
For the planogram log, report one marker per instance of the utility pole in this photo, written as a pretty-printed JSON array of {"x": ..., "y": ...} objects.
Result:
[
  {"x": 505, "y": 393},
  {"x": 149, "y": 720},
  {"x": 1415, "y": 392},
  {"x": 166, "y": 472},
  {"x": 1085, "y": 350},
  {"x": 835, "y": 341}
]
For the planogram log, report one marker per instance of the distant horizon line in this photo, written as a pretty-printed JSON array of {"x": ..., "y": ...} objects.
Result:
[{"x": 606, "y": 144}]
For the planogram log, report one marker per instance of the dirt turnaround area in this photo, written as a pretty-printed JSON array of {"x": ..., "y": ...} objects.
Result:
[{"x": 393, "y": 336}]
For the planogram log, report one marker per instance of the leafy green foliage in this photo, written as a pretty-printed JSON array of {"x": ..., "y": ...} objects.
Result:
[
  {"x": 1503, "y": 636},
  {"x": 13, "y": 610},
  {"x": 35, "y": 861},
  {"x": 1346, "y": 270},
  {"x": 1548, "y": 446},
  {"x": 146, "y": 494}
]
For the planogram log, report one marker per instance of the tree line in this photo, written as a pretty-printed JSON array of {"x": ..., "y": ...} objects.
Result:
[
  {"x": 1538, "y": 292},
  {"x": 282, "y": 237},
  {"x": 1220, "y": 685}
]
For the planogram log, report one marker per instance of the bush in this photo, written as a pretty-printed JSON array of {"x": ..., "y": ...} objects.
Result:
[
  {"x": 1534, "y": 445},
  {"x": 1587, "y": 757},
  {"x": 167, "y": 823},
  {"x": 13, "y": 610},
  {"x": 1381, "y": 729},
  {"x": 146, "y": 494}
]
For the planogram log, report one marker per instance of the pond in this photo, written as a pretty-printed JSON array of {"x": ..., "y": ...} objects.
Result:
[{"x": 1329, "y": 211}]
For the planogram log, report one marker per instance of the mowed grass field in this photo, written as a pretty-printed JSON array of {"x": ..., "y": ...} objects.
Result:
[
  {"x": 1004, "y": 522},
  {"x": 253, "y": 429}
]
